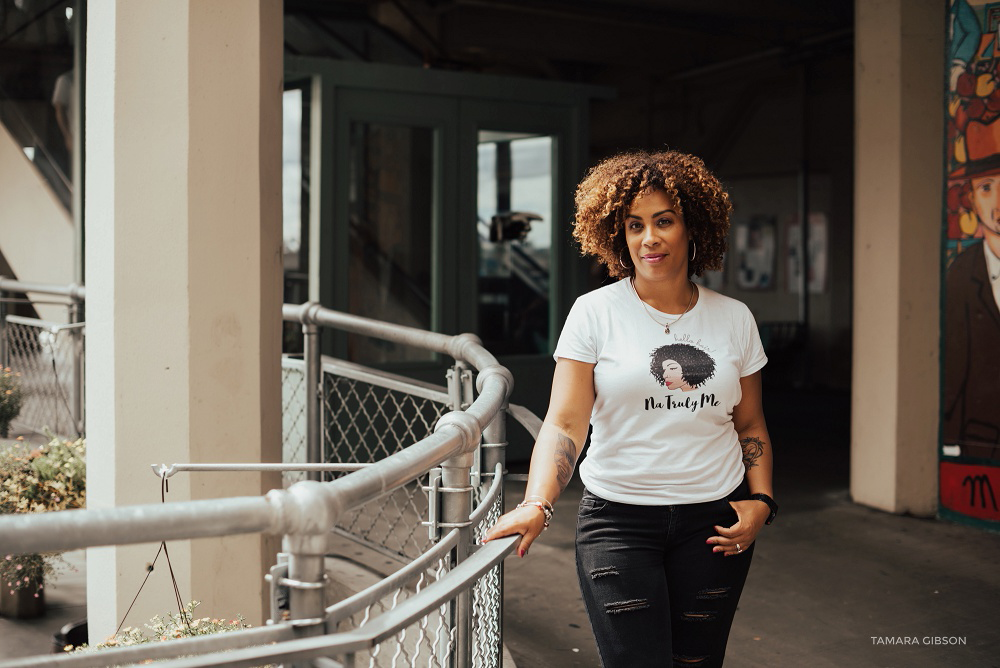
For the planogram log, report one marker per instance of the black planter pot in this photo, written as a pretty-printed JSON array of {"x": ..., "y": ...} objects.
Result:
[
  {"x": 25, "y": 603},
  {"x": 74, "y": 633}
]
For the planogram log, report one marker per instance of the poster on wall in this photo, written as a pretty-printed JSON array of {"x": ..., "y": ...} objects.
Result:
[
  {"x": 970, "y": 397},
  {"x": 817, "y": 254},
  {"x": 713, "y": 280},
  {"x": 755, "y": 251}
]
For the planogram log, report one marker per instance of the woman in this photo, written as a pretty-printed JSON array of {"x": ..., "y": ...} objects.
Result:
[{"x": 677, "y": 485}]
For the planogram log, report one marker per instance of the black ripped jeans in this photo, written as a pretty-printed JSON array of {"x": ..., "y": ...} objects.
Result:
[{"x": 655, "y": 592}]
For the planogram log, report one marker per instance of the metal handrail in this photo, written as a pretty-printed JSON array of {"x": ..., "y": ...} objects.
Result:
[
  {"x": 219, "y": 642},
  {"x": 250, "y": 640},
  {"x": 164, "y": 471},
  {"x": 74, "y": 291},
  {"x": 307, "y": 507},
  {"x": 305, "y": 512}
]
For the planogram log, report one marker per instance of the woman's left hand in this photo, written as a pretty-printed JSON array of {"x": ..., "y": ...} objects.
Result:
[{"x": 740, "y": 536}]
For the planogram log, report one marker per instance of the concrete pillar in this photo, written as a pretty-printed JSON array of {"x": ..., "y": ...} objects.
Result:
[
  {"x": 899, "y": 47},
  {"x": 183, "y": 274}
]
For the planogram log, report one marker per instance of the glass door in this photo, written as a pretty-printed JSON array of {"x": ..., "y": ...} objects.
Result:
[
  {"x": 389, "y": 212},
  {"x": 514, "y": 233},
  {"x": 520, "y": 168}
]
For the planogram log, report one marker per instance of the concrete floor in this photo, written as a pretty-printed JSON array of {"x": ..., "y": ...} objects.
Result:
[{"x": 828, "y": 575}]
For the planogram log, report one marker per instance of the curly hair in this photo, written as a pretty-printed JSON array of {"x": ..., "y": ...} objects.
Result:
[
  {"x": 607, "y": 192},
  {"x": 697, "y": 366}
]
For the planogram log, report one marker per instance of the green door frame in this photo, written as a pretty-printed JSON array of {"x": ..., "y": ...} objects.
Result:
[{"x": 457, "y": 105}]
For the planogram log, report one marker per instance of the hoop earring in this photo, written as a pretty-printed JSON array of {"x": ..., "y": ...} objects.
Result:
[
  {"x": 694, "y": 249},
  {"x": 624, "y": 266}
]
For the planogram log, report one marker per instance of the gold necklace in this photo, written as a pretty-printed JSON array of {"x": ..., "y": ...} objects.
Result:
[{"x": 645, "y": 307}]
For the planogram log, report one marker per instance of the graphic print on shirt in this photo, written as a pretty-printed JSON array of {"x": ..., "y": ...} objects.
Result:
[{"x": 681, "y": 366}]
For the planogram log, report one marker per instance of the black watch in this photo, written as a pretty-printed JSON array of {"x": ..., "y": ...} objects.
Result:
[{"x": 770, "y": 504}]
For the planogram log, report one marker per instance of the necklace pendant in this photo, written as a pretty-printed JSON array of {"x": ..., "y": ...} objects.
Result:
[{"x": 666, "y": 330}]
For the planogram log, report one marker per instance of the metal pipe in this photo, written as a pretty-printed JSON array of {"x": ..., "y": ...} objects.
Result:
[
  {"x": 77, "y": 379},
  {"x": 384, "y": 379},
  {"x": 73, "y": 290},
  {"x": 219, "y": 642},
  {"x": 456, "y": 505},
  {"x": 73, "y": 529},
  {"x": 306, "y": 584},
  {"x": 3, "y": 327},
  {"x": 465, "y": 347},
  {"x": 306, "y": 507},
  {"x": 314, "y": 397},
  {"x": 162, "y": 470}
]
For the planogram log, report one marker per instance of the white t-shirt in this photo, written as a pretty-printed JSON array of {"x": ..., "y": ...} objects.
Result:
[{"x": 665, "y": 438}]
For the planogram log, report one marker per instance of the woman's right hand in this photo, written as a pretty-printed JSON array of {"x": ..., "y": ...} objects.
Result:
[{"x": 529, "y": 521}]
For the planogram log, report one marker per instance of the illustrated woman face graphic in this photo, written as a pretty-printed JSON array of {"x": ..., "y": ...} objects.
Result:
[
  {"x": 673, "y": 376},
  {"x": 681, "y": 366}
]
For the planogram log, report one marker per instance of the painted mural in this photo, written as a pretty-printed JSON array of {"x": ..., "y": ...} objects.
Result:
[{"x": 970, "y": 449}]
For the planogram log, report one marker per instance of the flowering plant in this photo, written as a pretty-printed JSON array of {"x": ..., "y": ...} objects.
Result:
[
  {"x": 181, "y": 625},
  {"x": 51, "y": 477},
  {"x": 10, "y": 398},
  {"x": 29, "y": 570}
]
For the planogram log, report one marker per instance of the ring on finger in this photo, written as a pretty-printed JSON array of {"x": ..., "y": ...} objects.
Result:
[{"x": 738, "y": 548}]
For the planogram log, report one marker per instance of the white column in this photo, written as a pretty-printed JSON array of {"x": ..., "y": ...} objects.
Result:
[
  {"x": 183, "y": 280},
  {"x": 899, "y": 90}
]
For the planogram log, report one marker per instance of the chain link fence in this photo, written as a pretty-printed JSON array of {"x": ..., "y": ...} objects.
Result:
[
  {"x": 293, "y": 418},
  {"x": 487, "y": 598},
  {"x": 430, "y": 641},
  {"x": 365, "y": 421},
  {"x": 49, "y": 359}
]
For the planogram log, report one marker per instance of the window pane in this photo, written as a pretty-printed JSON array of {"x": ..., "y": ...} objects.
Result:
[
  {"x": 295, "y": 204},
  {"x": 291, "y": 177},
  {"x": 514, "y": 204},
  {"x": 390, "y": 222}
]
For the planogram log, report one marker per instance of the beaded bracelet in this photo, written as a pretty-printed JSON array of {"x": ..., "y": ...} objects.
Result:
[
  {"x": 542, "y": 499},
  {"x": 546, "y": 510}
]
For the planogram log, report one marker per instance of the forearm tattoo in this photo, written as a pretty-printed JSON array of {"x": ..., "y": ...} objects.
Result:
[
  {"x": 753, "y": 448},
  {"x": 565, "y": 458}
]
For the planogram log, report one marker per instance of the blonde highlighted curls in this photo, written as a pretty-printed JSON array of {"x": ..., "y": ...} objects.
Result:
[{"x": 606, "y": 194}]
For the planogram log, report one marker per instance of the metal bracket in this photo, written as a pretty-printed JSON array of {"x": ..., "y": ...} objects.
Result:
[
  {"x": 433, "y": 504},
  {"x": 434, "y": 492},
  {"x": 279, "y": 594}
]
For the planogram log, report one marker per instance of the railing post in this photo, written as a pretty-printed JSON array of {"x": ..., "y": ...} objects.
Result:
[
  {"x": 306, "y": 584},
  {"x": 455, "y": 389},
  {"x": 75, "y": 313},
  {"x": 493, "y": 451},
  {"x": 3, "y": 328},
  {"x": 456, "y": 505},
  {"x": 314, "y": 396}
]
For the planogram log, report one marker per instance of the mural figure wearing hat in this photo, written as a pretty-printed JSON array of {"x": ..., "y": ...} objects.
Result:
[{"x": 971, "y": 417}]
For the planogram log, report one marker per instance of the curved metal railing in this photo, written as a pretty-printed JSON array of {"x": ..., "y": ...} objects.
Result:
[{"x": 441, "y": 608}]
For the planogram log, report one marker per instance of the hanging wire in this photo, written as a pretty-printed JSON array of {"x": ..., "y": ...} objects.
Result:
[{"x": 164, "y": 488}]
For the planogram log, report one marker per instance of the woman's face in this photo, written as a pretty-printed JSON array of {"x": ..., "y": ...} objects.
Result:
[
  {"x": 657, "y": 237},
  {"x": 673, "y": 376}
]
